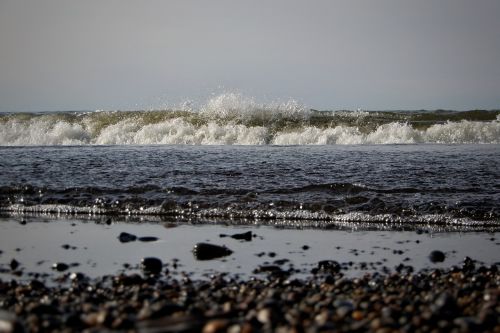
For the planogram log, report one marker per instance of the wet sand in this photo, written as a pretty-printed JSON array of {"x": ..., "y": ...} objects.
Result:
[{"x": 77, "y": 274}]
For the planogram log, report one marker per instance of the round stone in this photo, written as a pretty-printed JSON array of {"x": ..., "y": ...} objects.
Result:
[
  {"x": 151, "y": 265},
  {"x": 437, "y": 256}
]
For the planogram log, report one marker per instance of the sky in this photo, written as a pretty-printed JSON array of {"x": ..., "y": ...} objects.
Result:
[{"x": 333, "y": 54}]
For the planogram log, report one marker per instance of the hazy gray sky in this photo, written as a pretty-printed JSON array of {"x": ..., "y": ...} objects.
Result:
[{"x": 384, "y": 54}]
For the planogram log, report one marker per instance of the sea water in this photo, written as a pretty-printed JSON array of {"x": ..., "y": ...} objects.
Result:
[
  {"x": 238, "y": 164},
  {"x": 455, "y": 185}
]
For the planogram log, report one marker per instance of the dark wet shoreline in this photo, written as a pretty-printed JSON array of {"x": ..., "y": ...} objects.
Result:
[{"x": 108, "y": 246}]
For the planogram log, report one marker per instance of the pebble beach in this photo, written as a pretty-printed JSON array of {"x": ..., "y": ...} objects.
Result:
[{"x": 461, "y": 299}]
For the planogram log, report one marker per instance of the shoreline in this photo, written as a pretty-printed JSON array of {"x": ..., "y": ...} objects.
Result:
[{"x": 95, "y": 247}]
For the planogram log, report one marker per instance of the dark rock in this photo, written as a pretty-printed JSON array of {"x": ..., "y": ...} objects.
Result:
[
  {"x": 206, "y": 251},
  {"x": 14, "y": 264},
  {"x": 151, "y": 265},
  {"x": 36, "y": 285},
  {"x": 78, "y": 276},
  {"x": 109, "y": 222},
  {"x": 406, "y": 269},
  {"x": 125, "y": 237},
  {"x": 468, "y": 264},
  {"x": 246, "y": 236},
  {"x": 329, "y": 266},
  {"x": 148, "y": 239},
  {"x": 305, "y": 247},
  {"x": 437, "y": 256},
  {"x": 272, "y": 270},
  {"x": 60, "y": 267},
  {"x": 73, "y": 320},
  {"x": 329, "y": 279},
  {"x": 42, "y": 309},
  {"x": 66, "y": 246},
  {"x": 481, "y": 269},
  {"x": 281, "y": 261},
  {"x": 129, "y": 280}
]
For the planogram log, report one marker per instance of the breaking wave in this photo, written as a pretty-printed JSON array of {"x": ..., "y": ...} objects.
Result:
[{"x": 232, "y": 119}]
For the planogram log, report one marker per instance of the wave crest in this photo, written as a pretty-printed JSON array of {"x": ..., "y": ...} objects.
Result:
[
  {"x": 233, "y": 119},
  {"x": 464, "y": 132}
]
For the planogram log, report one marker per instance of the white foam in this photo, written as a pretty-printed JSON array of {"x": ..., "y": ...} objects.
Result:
[
  {"x": 42, "y": 132},
  {"x": 316, "y": 136},
  {"x": 231, "y": 119},
  {"x": 464, "y": 132},
  {"x": 394, "y": 133},
  {"x": 179, "y": 131},
  {"x": 121, "y": 133}
]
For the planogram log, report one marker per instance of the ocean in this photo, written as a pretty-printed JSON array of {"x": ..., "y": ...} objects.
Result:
[
  {"x": 405, "y": 185},
  {"x": 235, "y": 159},
  {"x": 233, "y": 163}
]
